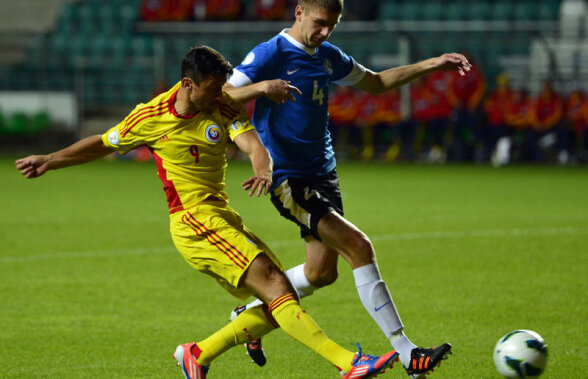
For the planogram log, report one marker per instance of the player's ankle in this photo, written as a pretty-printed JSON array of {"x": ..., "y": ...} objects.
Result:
[{"x": 403, "y": 346}]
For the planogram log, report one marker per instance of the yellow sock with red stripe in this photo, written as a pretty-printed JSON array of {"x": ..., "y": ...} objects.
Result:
[
  {"x": 250, "y": 324},
  {"x": 298, "y": 324}
]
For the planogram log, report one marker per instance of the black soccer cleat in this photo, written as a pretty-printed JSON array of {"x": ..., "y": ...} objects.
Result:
[
  {"x": 423, "y": 361},
  {"x": 254, "y": 349}
]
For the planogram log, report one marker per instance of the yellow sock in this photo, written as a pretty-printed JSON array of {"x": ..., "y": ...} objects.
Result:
[
  {"x": 250, "y": 324},
  {"x": 298, "y": 324}
]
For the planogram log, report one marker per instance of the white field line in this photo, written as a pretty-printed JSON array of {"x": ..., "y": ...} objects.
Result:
[
  {"x": 87, "y": 254},
  {"x": 483, "y": 233}
]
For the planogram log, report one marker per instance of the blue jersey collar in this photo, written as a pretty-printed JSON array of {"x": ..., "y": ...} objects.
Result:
[{"x": 293, "y": 41}]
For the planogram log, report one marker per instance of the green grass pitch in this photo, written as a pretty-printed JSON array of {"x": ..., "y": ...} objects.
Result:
[{"x": 91, "y": 285}]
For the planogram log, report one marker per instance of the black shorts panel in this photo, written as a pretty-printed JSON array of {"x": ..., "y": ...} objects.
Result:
[{"x": 306, "y": 200}]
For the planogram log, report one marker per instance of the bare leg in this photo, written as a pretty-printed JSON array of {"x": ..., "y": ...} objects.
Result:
[
  {"x": 266, "y": 280},
  {"x": 353, "y": 245},
  {"x": 321, "y": 263}
]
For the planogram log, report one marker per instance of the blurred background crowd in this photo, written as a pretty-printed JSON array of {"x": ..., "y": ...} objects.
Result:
[
  {"x": 456, "y": 118},
  {"x": 72, "y": 68}
]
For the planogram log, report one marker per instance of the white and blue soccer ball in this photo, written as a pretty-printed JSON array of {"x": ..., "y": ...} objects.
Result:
[{"x": 520, "y": 354}]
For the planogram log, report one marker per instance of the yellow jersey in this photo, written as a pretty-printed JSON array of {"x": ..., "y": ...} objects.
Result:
[{"x": 189, "y": 150}]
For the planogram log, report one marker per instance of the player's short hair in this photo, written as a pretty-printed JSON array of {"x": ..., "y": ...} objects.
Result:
[
  {"x": 331, "y": 6},
  {"x": 201, "y": 62}
]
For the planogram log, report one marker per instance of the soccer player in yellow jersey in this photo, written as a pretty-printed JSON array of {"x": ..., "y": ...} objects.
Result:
[{"x": 187, "y": 129}]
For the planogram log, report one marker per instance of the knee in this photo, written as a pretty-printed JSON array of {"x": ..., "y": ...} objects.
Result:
[
  {"x": 357, "y": 250},
  {"x": 274, "y": 275},
  {"x": 322, "y": 277},
  {"x": 266, "y": 280},
  {"x": 361, "y": 247}
]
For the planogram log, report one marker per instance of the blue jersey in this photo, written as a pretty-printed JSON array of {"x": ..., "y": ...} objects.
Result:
[{"x": 295, "y": 133}]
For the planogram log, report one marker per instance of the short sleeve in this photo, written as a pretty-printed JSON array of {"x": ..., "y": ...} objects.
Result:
[
  {"x": 241, "y": 123},
  {"x": 256, "y": 66},
  {"x": 346, "y": 71},
  {"x": 355, "y": 75},
  {"x": 128, "y": 134}
]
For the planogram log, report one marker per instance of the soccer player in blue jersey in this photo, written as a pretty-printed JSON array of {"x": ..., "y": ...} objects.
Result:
[{"x": 289, "y": 76}]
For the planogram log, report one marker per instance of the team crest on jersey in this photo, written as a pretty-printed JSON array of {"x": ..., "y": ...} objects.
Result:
[
  {"x": 213, "y": 133},
  {"x": 237, "y": 124},
  {"x": 248, "y": 58},
  {"x": 328, "y": 66}
]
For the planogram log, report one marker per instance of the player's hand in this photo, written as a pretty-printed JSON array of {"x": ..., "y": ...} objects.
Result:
[
  {"x": 280, "y": 91},
  {"x": 32, "y": 166},
  {"x": 454, "y": 62},
  {"x": 258, "y": 184}
]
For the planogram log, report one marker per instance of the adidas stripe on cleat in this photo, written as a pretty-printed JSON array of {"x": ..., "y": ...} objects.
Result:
[
  {"x": 423, "y": 361},
  {"x": 190, "y": 368},
  {"x": 369, "y": 366}
]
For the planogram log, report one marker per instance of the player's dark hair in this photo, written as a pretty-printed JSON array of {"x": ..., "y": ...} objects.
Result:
[
  {"x": 331, "y": 6},
  {"x": 201, "y": 62}
]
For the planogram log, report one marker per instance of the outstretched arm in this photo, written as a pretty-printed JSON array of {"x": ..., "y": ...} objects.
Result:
[
  {"x": 380, "y": 82},
  {"x": 261, "y": 161},
  {"x": 277, "y": 90},
  {"x": 83, "y": 151}
]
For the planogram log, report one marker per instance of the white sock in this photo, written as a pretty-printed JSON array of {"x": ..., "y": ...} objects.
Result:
[
  {"x": 403, "y": 346},
  {"x": 377, "y": 300},
  {"x": 299, "y": 282}
]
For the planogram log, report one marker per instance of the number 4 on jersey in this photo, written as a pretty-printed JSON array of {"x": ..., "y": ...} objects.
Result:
[{"x": 318, "y": 94}]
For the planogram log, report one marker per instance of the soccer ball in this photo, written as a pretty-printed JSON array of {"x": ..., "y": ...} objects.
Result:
[{"x": 520, "y": 354}]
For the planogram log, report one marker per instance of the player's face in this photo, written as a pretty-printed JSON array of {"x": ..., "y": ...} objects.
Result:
[
  {"x": 316, "y": 25},
  {"x": 207, "y": 95}
]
